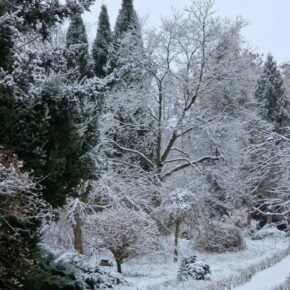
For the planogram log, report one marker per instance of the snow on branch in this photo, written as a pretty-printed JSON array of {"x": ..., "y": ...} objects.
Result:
[{"x": 188, "y": 163}]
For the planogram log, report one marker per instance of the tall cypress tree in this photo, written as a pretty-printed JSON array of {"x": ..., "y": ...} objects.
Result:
[
  {"x": 102, "y": 43},
  {"x": 77, "y": 48},
  {"x": 127, "y": 19},
  {"x": 272, "y": 96},
  {"x": 127, "y": 40},
  {"x": 131, "y": 127}
]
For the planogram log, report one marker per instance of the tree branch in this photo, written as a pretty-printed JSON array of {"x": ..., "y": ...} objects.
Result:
[{"x": 188, "y": 163}]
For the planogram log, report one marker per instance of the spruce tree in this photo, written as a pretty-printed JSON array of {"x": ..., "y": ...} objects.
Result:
[
  {"x": 272, "y": 96},
  {"x": 102, "y": 43},
  {"x": 77, "y": 49}
]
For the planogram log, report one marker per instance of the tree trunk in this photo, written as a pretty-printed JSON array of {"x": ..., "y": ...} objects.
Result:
[
  {"x": 269, "y": 219},
  {"x": 177, "y": 227},
  {"x": 249, "y": 219},
  {"x": 77, "y": 228},
  {"x": 119, "y": 265}
]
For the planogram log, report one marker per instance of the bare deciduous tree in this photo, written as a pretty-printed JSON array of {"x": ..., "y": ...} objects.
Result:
[{"x": 127, "y": 233}]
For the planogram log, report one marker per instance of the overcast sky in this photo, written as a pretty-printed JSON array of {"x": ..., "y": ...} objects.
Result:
[{"x": 268, "y": 29}]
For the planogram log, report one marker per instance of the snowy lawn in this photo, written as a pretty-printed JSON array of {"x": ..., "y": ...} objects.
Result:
[
  {"x": 159, "y": 272},
  {"x": 269, "y": 278}
]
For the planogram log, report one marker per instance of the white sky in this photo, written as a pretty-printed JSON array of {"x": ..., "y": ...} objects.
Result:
[{"x": 268, "y": 31}]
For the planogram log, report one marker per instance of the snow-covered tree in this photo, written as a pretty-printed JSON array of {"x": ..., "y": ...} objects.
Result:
[
  {"x": 126, "y": 128},
  {"x": 77, "y": 49},
  {"x": 178, "y": 205},
  {"x": 186, "y": 74},
  {"x": 269, "y": 178},
  {"x": 127, "y": 233},
  {"x": 21, "y": 211},
  {"x": 102, "y": 43},
  {"x": 127, "y": 49},
  {"x": 198, "y": 95},
  {"x": 54, "y": 120},
  {"x": 68, "y": 231},
  {"x": 271, "y": 95}
]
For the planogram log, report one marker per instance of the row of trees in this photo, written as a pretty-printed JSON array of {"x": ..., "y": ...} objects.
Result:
[
  {"x": 49, "y": 111},
  {"x": 183, "y": 112},
  {"x": 190, "y": 115},
  {"x": 150, "y": 124}
]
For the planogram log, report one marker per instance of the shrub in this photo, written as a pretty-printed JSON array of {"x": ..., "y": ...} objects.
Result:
[
  {"x": 218, "y": 237},
  {"x": 194, "y": 269},
  {"x": 269, "y": 230},
  {"x": 21, "y": 208},
  {"x": 70, "y": 271}
]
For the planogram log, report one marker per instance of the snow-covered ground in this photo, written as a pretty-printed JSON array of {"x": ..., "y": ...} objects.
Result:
[
  {"x": 159, "y": 271},
  {"x": 269, "y": 278}
]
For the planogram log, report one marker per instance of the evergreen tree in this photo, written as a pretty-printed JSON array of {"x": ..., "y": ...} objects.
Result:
[
  {"x": 6, "y": 42},
  {"x": 49, "y": 122},
  {"x": 127, "y": 40},
  {"x": 55, "y": 135},
  {"x": 102, "y": 43},
  {"x": 77, "y": 49},
  {"x": 127, "y": 20},
  {"x": 272, "y": 96},
  {"x": 131, "y": 127}
]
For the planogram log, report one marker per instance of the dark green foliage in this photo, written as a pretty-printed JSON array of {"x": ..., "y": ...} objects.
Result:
[
  {"x": 51, "y": 125},
  {"x": 77, "y": 49},
  {"x": 133, "y": 129},
  {"x": 6, "y": 44},
  {"x": 271, "y": 95},
  {"x": 127, "y": 19},
  {"x": 41, "y": 15},
  {"x": 102, "y": 43},
  {"x": 132, "y": 132},
  {"x": 69, "y": 272},
  {"x": 41, "y": 115},
  {"x": 44, "y": 133},
  {"x": 16, "y": 256},
  {"x": 50, "y": 275},
  {"x": 128, "y": 47},
  {"x": 191, "y": 268}
]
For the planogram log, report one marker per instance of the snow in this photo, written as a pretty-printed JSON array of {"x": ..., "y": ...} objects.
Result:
[
  {"x": 269, "y": 278},
  {"x": 160, "y": 272}
]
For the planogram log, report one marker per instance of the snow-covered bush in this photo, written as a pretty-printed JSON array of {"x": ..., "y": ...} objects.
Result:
[
  {"x": 238, "y": 218},
  {"x": 219, "y": 237},
  {"x": 127, "y": 233},
  {"x": 176, "y": 207},
  {"x": 191, "y": 268},
  {"x": 72, "y": 271},
  {"x": 269, "y": 230},
  {"x": 21, "y": 209}
]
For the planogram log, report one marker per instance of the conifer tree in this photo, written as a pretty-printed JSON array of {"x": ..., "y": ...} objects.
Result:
[
  {"x": 77, "y": 49},
  {"x": 6, "y": 44},
  {"x": 271, "y": 95},
  {"x": 127, "y": 40},
  {"x": 50, "y": 123},
  {"x": 102, "y": 43},
  {"x": 131, "y": 127},
  {"x": 127, "y": 19},
  {"x": 39, "y": 117}
]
